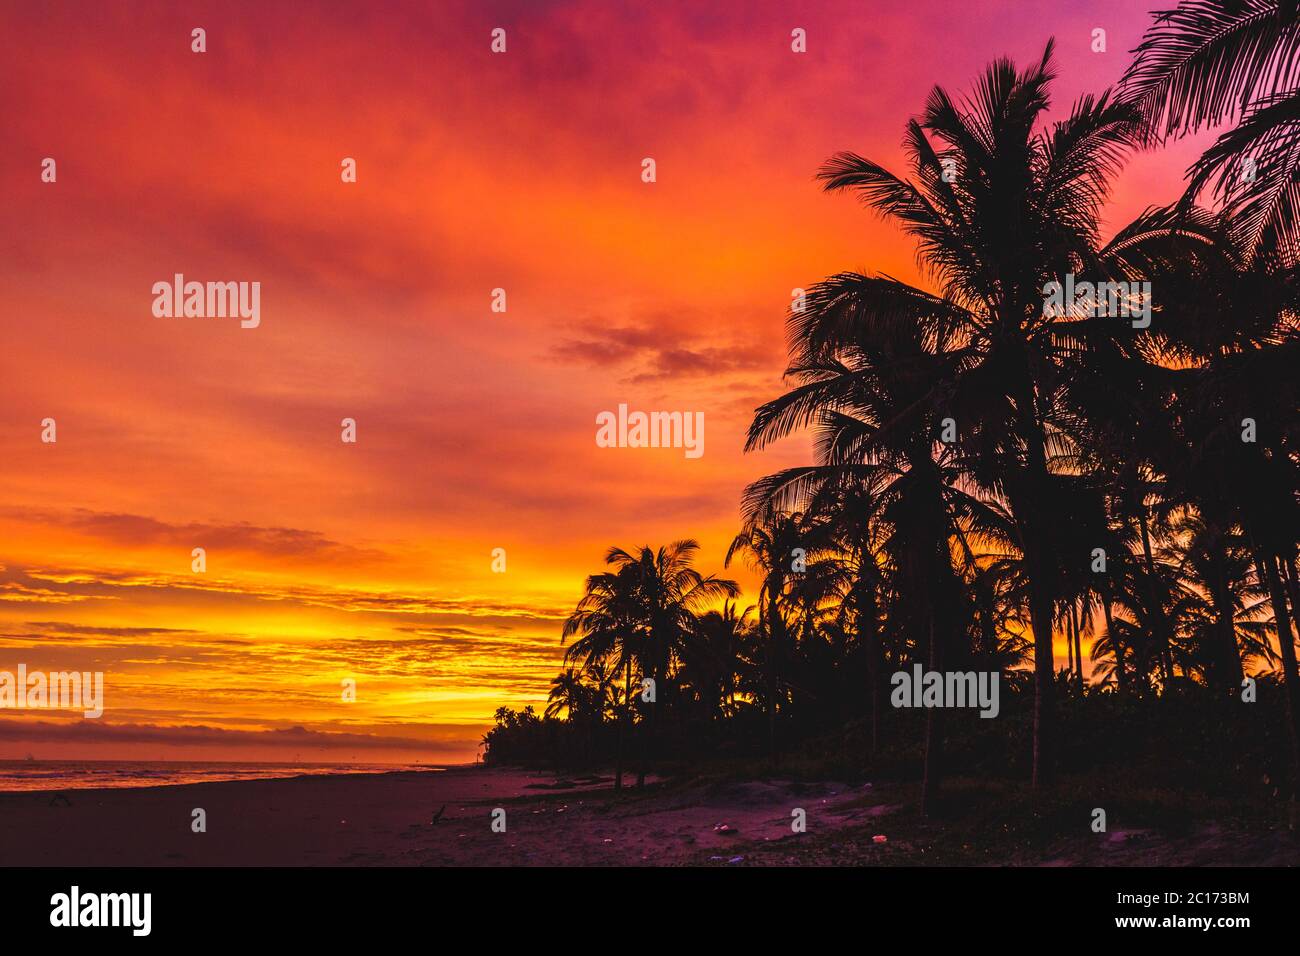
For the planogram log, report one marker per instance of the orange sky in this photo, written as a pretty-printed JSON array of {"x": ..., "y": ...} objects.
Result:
[{"x": 475, "y": 429}]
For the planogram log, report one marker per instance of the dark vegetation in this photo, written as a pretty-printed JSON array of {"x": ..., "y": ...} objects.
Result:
[{"x": 993, "y": 477}]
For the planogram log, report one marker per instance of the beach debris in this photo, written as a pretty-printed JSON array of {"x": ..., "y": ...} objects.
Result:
[
  {"x": 607, "y": 840},
  {"x": 438, "y": 816},
  {"x": 723, "y": 828},
  {"x": 880, "y": 838},
  {"x": 737, "y": 859}
]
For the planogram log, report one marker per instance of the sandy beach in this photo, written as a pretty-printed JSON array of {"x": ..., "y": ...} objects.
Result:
[{"x": 387, "y": 820}]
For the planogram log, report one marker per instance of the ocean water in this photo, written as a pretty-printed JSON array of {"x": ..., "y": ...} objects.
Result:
[{"x": 83, "y": 774}]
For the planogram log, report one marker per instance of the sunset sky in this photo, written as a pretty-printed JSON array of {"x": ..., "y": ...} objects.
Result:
[{"x": 476, "y": 429}]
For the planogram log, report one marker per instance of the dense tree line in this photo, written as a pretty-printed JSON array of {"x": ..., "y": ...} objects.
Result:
[{"x": 996, "y": 474}]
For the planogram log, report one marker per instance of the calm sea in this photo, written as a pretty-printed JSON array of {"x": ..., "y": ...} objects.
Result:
[{"x": 81, "y": 774}]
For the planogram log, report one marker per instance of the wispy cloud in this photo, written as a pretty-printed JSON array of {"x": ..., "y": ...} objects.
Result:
[{"x": 657, "y": 350}]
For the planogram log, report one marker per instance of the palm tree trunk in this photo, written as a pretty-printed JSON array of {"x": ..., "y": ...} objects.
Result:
[
  {"x": 932, "y": 773},
  {"x": 1078, "y": 643},
  {"x": 942, "y": 591},
  {"x": 1040, "y": 616},
  {"x": 1027, "y": 495},
  {"x": 650, "y": 726},
  {"x": 1069, "y": 646},
  {"x": 1226, "y": 674},
  {"x": 1121, "y": 674},
  {"x": 729, "y": 673},
  {"x": 1292, "y": 580},
  {"x": 772, "y": 683},
  {"x": 622, "y": 724},
  {"x": 1155, "y": 606},
  {"x": 874, "y": 674},
  {"x": 1286, "y": 645}
]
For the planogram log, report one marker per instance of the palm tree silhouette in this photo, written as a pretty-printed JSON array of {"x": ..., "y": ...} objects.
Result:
[
  {"x": 641, "y": 614},
  {"x": 605, "y": 623},
  {"x": 771, "y": 549},
  {"x": 999, "y": 208},
  {"x": 990, "y": 472},
  {"x": 1204, "y": 63},
  {"x": 714, "y": 659}
]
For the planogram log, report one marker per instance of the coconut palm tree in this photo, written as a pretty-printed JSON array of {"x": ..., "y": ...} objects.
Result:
[
  {"x": 772, "y": 548},
  {"x": 568, "y": 695},
  {"x": 713, "y": 660},
  {"x": 606, "y": 625},
  {"x": 1000, "y": 206},
  {"x": 1208, "y": 62},
  {"x": 667, "y": 595},
  {"x": 859, "y": 535},
  {"x": 872, "y": 383},
  {"x": 1228, "y": 441},
  {"x": 975, "y": 449}
]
